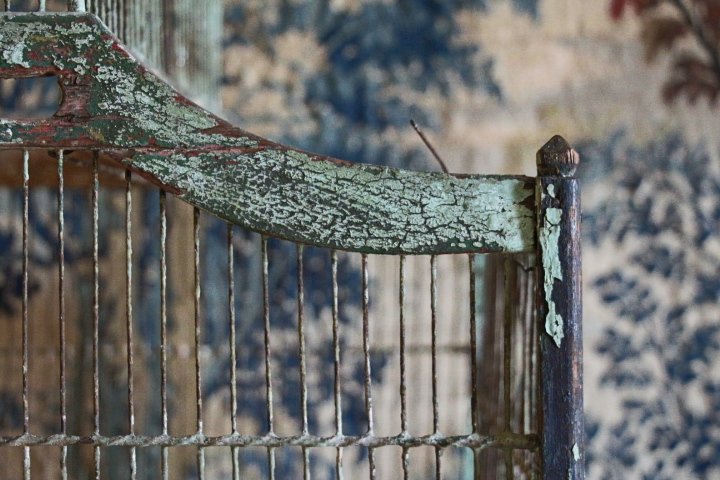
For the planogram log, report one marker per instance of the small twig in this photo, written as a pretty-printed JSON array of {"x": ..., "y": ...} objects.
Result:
[{"x": 429, "y": 146}]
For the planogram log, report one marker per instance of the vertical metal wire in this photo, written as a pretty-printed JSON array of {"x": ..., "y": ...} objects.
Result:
[
  {"x": 527, "y": 382},
  {"x": 61, "y": 308},
  {"x": 336, "y": 363},
  {"x": 534, "y": 369},
  {"x": 522, "y": 341},
  {"x": 163, "y": 330},
  {"x": 25, "y": 332},
  {"x": 129, "y": 319},
  {"x": 366, "y": 352},
  {"x": 507, "y": 361},
  {"x": 474, "y": 420},
  {"x": 233, "y": 349},
  {"x": 433, "y": 354},
  {"x": 303, "y": 357},
  {"x": 198, "y": 375},
  {"x": 121, "y": 13},
  {"x": 266, "y": 339},
  {"x": 403, "y": 380},
  {"x": 96, "y": 314}
]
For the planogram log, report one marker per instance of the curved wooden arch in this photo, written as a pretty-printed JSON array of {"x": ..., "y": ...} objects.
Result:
[{"x": 111, "y": 102}]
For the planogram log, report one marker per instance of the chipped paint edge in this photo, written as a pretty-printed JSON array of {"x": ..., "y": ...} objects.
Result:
[
  {"x": 575, "y": 450},
  {"x": 549, "y": 240}
]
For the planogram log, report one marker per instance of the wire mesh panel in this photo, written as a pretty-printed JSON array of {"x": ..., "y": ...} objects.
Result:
[
  {"x": 297, "y": 317},
  {"x": 278, "y": 384}
]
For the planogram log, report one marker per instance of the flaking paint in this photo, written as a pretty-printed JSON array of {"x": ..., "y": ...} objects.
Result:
[
  {"x": 552, "y": 269},
  {"x": 358, "y": 207}
]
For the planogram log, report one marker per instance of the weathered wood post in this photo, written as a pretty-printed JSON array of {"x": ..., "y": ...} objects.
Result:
[{"x": 559, "y": 310}]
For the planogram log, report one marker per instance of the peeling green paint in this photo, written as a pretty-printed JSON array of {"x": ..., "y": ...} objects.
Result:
[
  {"x": 132, "y": 108},
  {"x": 552, "y": 270}
]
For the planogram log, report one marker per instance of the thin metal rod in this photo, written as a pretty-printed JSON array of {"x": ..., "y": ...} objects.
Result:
[
  {"x": 96, "y": 312},
  {"x": 233, "y": 352},
  {"x": 474, "y": 420},
  {"x": 366, "y": 352},
  {"x": 163, "y": 329},
  {"x": 61, "y": 309},
  {"x": 427, "y": 143},
  {"x": 268, "y": 354},
  {"x": 403, "y": 379},
  {"x": 129, "y": 318},
  {"x": 336, "y": 363},
  {"x": 475, "y": 441},
  {"x": 531, "y": 420},
  {"x": 303, "y": 356},
  {"x": 25, "y": 332},
  {"x": 433, "y": 346},
  {"x": 198, "y": 375},
  {"x": 507, "y": 360}
]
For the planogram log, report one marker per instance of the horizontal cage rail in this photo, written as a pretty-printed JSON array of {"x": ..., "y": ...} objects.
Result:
[{"x": 474, "y": 441}]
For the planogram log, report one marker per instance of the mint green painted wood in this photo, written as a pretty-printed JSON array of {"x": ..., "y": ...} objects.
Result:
[
  {"x": 111, "y": 102},
  {"x": 352, "y": 207}
]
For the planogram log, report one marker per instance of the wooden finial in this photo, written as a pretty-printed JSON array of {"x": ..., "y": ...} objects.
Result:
[{"x": 557, "y": 158}]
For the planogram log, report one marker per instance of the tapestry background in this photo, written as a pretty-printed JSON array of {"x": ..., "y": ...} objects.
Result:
[{"x": 490, "y": 81}]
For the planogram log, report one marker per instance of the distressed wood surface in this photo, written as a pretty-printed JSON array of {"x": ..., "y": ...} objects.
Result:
[
  {"x": 111, "y": 102},
  {"x": 559, "y": 308}
]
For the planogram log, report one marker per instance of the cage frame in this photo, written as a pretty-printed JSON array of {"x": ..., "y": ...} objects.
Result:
[{"x": 117, "y": 108}]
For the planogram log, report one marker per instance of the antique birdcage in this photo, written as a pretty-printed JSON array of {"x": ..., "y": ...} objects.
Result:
[{"x": 129, "y": 353}]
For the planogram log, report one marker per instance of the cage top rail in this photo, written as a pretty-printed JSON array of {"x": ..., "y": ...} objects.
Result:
[{"x": 112, "y": 103}]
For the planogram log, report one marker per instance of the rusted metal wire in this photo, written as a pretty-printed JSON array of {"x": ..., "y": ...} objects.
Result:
[
  {"x": 25, "y": 332},
  {"x": 507, "y": 361},
  {"x": 163, "y": 331},
  {"x": 96, "y": 311},
  {"x": 233, "y": 348},
  {"x": 433, "y": 359},
  {"x": 198, "y": 372},
  {"x": 303, "y": 356},
  {"x": 366, "y": 354},
  {"x": 268, "y": 356},
  {"x": 61, "y": 309},
  {"x": 474, "y": 417},
  {"x": 403, "y": 380},
  {"x": 129, "y": 319},
  {"x": 337, "y": 396},
  {"x": 474, "y": 441}
]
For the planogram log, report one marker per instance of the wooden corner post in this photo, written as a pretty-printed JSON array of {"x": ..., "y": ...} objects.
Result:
[{"x": 559, "y": 312}]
